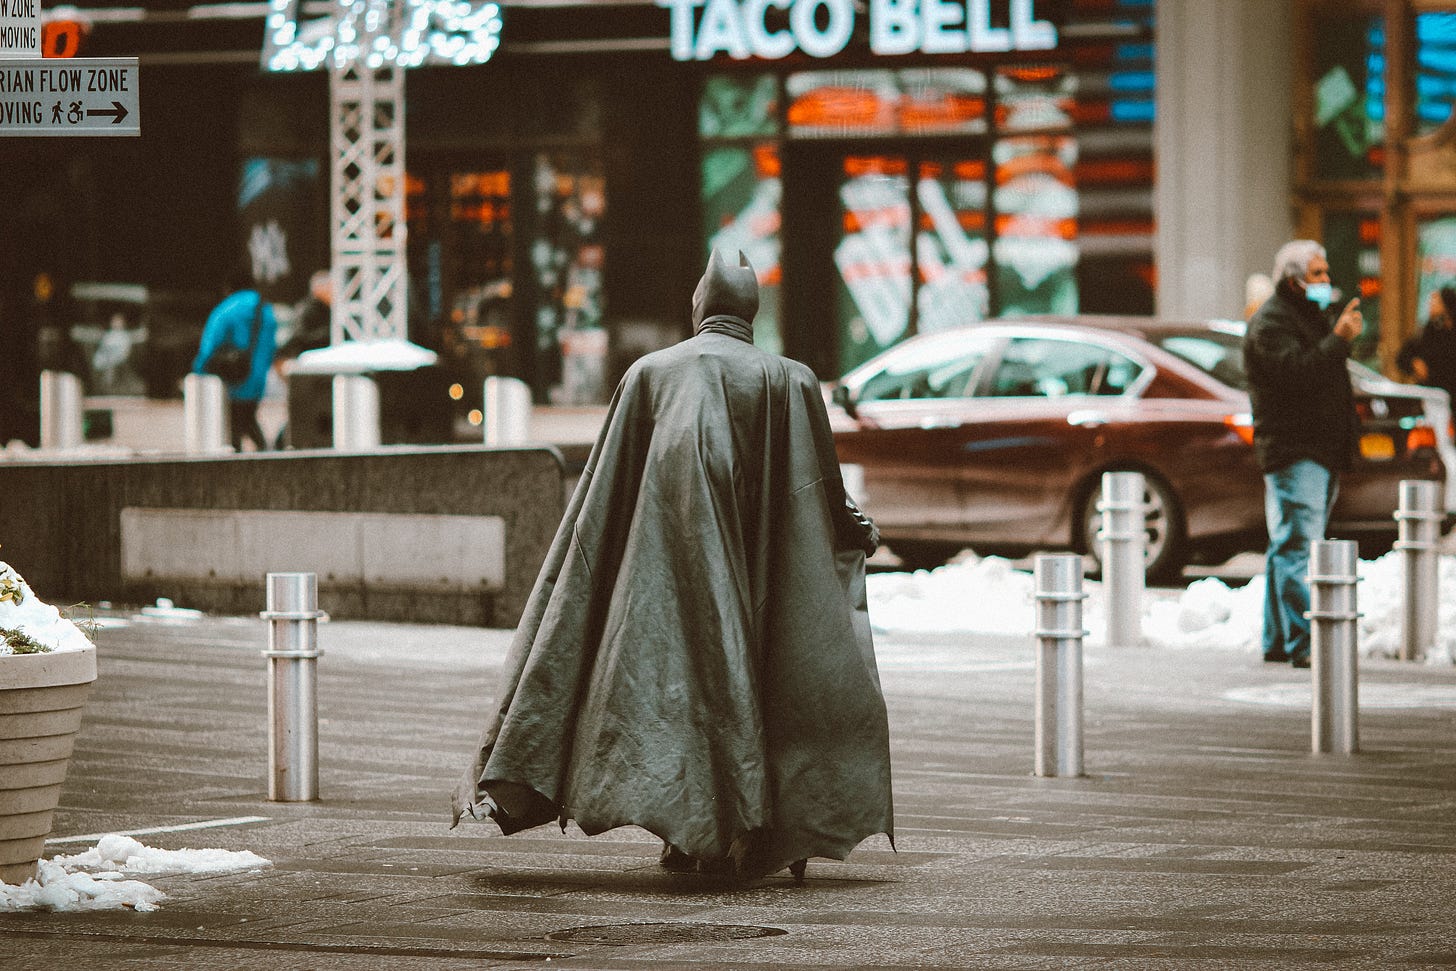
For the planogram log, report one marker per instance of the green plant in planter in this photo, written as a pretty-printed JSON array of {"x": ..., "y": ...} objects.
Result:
[
  {"x": 43, "y": 690},
  {"x": 11, "y": 590},
  {"x": 20, "y": 642}
]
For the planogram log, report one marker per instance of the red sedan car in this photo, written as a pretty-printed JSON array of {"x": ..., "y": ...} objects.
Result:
[{"x": 995, "y": 436}]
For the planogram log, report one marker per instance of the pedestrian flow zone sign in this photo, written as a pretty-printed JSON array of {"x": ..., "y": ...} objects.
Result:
[
  {"x": 19, "y": 28},
  {"x": 69, "y": 96},
  {"x": 62, "y": 95}
]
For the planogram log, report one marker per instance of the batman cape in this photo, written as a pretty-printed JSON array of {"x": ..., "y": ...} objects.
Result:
[{"x": 695, "y": 657}]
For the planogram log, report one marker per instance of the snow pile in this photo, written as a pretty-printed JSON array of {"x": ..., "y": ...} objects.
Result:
[
  {"x": 990, "y": 596},
  {"x": 362, "y": 357},
  {"x": 987, "y": 596},
  {"x": 1209, "y": 614},
  {"x": 129, "y": 856},
  {"x": 21, "y": 609},
  {"x": 96, "y": 878}
]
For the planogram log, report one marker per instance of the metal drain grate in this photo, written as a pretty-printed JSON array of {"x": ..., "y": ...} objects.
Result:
[{"x": 662, "y": 933}]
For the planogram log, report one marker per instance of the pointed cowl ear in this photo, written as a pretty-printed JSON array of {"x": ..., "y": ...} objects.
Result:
[{"x": 726, "y": 290}]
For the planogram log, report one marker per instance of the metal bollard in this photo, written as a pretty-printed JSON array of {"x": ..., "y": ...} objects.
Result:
[
  {"x": 356, "y": 412},
  {"x": 204, "y": 415},
  {"x": 1418, "y": 519},
  {"x": 1124, "y": 555},
  {"x": 292, "y": 654},
  {"x": 61, "y": 410},
  {"x": 1335, "y": 696},
  {"x": 1059, "y": 633},
  {"x": 507, "y": 411}
]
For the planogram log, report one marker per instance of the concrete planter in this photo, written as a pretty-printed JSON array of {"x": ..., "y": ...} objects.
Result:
[{"x": 41, "y": 700}]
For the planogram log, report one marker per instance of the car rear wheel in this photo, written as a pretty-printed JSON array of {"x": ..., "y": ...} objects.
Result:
[{"x": 1166, "y": 548}]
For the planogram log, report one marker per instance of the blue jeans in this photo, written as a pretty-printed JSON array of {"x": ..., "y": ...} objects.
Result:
[{"x": 1297, "y": 501}]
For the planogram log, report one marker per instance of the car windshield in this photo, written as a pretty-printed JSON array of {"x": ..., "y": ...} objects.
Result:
[{"x": 1217, "y": 354}]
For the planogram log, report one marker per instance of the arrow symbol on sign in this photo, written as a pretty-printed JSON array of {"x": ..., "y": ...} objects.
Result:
[{"x": 117, "y": 111}]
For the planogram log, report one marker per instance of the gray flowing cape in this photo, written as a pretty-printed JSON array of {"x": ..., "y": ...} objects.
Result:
[{"x": 695, "y": 657}]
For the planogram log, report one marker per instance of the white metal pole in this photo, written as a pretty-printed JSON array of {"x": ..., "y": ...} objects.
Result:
[
  {"x": 356, "y": 412},
  {"x": 61, "y": 410},
  {"x": 507, "y": 407},
  {"x": 1124, "y": 555},
  {"x": 1335, "y": 701},
  {"x": 292, "y": 655},
  {"x": 1418, "y": 519},
  {"x": 1059, "y": 633},
  {"x": 204, "y": 414}
]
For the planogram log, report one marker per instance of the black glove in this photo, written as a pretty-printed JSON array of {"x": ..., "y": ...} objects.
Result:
[{"x": 867, "y": 534}]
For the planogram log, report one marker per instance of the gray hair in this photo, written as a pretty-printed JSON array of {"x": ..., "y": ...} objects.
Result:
[{"x": 1293, "y": 259}]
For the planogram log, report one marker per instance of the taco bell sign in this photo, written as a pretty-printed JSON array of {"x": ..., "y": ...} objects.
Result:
[{"x": 822, "y": 28}]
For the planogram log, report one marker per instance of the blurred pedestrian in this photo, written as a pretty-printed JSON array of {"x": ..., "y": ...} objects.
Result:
[
  {"x": 695, "y": 658},
  {"x": 1430, "y": 356},
  {"x": 237, "y": 345},
  {"x": 314, "y": 319},
  {"x": 1305, "y": 429},
  {"x": 1257, "y": 289},
  {"x": 312, "y": 329}
]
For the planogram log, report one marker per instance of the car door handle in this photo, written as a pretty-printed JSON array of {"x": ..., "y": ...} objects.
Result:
[
  {"x": 1087, "y": 419},
  {"x": 933, "y": 423}
]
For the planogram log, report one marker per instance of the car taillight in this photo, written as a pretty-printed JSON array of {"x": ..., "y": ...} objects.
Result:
[
  {"x": 1242, "y": 426},
  {"x": 1422, "y": 436}
]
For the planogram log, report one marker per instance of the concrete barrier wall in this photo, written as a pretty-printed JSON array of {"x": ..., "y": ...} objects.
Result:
[{"x": 61, "y": 526}]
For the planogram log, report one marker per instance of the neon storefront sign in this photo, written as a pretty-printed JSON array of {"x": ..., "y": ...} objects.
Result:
[
  {"x": 407, "y": 33},
  {"x": 822, "y": 28}
]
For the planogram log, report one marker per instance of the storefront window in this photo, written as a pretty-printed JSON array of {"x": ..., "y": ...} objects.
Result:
[
  {"x": 873, "y": 256},
  {"x": 1036, "y": 224},
  {"x": 1349, "y": 95},
  {"x": 569, "y": 195},
  {"x": 742, "y": 190},
  {"x": 736, "y": 107},
  {"x": 838, "y": 104},
  {"x": 1352, "y": 243},
  {"x": 1435, "y": 260},
  {"x": 950, "y": 246},
  {"x": 937, "y": 195},
  {"x": 1034, "y": 97},
  {"x": 473, "y": 281},
  {"x": 1435, "y": 69},
  {"x": 941, "y": 101}
]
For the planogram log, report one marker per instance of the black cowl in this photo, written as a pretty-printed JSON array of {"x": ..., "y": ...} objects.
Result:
[{"x": 726, "y": 291}]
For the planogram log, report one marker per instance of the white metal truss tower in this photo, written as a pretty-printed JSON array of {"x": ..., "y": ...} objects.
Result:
[{"x": 368, "y": 186}]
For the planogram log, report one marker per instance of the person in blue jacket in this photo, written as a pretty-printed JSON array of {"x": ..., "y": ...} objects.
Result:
[{"x": 232, "y": 323}]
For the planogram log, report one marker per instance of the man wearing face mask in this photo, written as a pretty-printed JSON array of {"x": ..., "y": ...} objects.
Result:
[{"x": 1305, "y": 429}]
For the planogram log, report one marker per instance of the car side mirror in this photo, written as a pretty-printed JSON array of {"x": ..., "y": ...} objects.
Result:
[{"x": 844, "y": 398}]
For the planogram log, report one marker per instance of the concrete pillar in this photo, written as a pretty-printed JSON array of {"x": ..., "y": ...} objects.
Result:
[{"x": 1224, "y": 150}]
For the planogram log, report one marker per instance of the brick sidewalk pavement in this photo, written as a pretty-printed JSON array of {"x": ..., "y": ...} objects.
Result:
[{"x": 1204, "y": 836}]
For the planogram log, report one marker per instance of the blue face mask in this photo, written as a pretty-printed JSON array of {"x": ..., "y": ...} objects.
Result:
[{"x": 1319, "y": 294}]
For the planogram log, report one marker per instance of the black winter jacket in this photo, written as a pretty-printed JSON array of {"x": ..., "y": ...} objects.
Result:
[{"x": 1299, "y": 385}]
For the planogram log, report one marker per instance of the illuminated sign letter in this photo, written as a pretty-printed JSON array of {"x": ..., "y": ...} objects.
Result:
[
  {"x": 1031, "y": 34},
  {"x": 835, "y": 35},
  {"x": 980, "y": 33},
  {"x": 721, "y": 31},
  {"x": 681, "y": 26},
  {"x": 894, "y": 28},
  {"x": 762, "y": 41},
  {"x": 937, "y": 17},
  {"x": 425, "y": 32}
]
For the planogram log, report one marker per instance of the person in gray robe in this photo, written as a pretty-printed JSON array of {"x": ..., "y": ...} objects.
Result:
[{"x": 695, "y": 658}]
